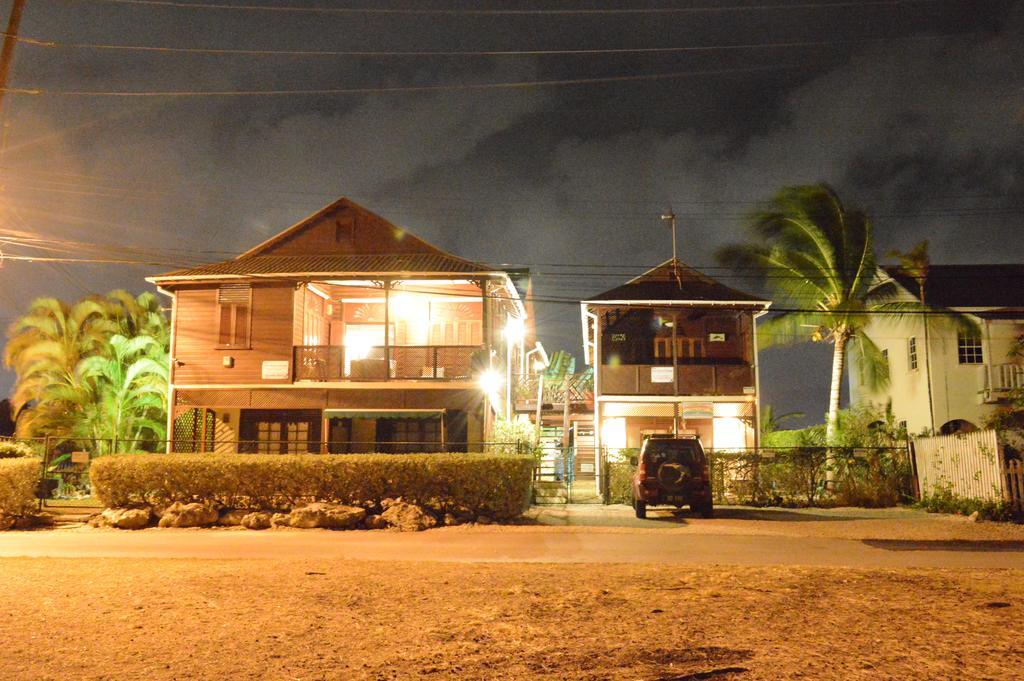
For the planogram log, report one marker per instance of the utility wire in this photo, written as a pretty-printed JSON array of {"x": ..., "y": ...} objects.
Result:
[
  {"x": 518, "y": 85},
  {"x": 38, "y": 42},
  {"x": 412, "y": 11}
]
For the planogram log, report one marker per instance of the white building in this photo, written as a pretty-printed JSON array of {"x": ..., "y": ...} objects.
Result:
[{"x": 942, "y": 380}]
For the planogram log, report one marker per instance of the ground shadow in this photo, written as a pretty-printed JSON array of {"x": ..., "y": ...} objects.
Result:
[
  {"x": 776, "y": 514},
  {"x": 998, "y": 545}
]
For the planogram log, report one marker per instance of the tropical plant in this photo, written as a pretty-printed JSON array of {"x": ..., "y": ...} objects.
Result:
[
  {"x": 95, "y": 371},
  {"x": 817, "y": 257},
  {"x": 772, "y": 422}
]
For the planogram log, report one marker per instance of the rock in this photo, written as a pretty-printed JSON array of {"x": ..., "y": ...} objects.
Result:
[
  {"x": 451, "y": 519},
  {"x": 408, "y": 517},
  {"x": 33, "y": 520},
  {"x": 280, "y": 520},
  {"x": 256, "y": 521},
  {"x": 188, "y": 515},
  {"x": 974, "y": 517},
  {"x": 388, "y": 503},
  {"x": 330, "y": 516},
  {"x": 232, "y": 518},
  {"x": 375, "y": 522},
  {"x": 126, "y": 518},
  {"x": 484, "y": 520},
  {"x": 6, "y": 522}
]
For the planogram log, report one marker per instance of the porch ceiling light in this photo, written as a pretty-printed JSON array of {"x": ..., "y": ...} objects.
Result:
[{"x": 491, "y": 381}]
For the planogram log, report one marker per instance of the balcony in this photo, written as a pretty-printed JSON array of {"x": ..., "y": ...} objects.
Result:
[
  {"x": 379, "y": 363},
  {"x": 1002, "y": 378},
  {"x": 692, "y": 379},
  {"x": 580, "y": 388}
]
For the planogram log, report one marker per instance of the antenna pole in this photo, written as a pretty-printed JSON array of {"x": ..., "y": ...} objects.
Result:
[{"x": 670, "y": 217}]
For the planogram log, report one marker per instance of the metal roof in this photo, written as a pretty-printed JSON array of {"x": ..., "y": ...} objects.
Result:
[
  {"x": 661, "y": 285},
  {"x": 269, "y": 265},
  {"x": 992, "y": 286}
]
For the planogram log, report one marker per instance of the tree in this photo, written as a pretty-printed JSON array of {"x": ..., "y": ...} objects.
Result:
[
  {"x": 96, "y": 370},
  {"x": 817, "y": 258}
]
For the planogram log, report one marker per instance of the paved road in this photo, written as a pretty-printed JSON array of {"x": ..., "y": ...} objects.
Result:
[{"x": 515, "y": 545}]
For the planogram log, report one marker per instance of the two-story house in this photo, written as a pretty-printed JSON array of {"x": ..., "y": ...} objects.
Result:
[
  {"x": 674, "y": 351},
  {"x": 942, "y": 380},
  {"x": 342, "y": 333}
]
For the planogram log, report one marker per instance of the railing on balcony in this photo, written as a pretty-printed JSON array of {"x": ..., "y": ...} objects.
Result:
[
  {"x": 580, "y": 387},
  {"x": 398, "y": 362},
  {"x": 1003, "y": 378},
  {"x": 691, "y": 379}
]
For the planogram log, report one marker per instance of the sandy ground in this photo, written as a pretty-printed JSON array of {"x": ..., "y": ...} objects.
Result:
[{"x": 334, "y": 619}]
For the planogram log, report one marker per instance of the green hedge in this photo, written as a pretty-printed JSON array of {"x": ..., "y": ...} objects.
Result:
[
  {"x": 493, "y": 484},
  {"x": 18, "y": 479}
]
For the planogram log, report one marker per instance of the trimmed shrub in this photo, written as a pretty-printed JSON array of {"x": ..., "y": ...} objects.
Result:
[
  {"x": 18, "y": 478},
  {"x": 9, "y": 449},
  {"x": 942, "y": 500},
  {"x": 493, "y": 484}
]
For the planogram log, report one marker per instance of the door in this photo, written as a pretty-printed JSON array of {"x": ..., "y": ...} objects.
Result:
[{"x": 267, "y": 431}]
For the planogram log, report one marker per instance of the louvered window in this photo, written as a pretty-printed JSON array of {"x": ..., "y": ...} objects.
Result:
[{"x": 234, "y": 302}]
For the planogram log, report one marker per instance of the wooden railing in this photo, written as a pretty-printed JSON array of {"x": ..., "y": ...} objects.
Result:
[
  {"x": 398, "y": 362},
  {"x": 1006, "y": 377},
  {"x": 691, "y": 379}
]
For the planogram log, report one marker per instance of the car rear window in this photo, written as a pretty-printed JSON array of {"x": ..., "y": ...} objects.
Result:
[{"x": 684, "y": 452}]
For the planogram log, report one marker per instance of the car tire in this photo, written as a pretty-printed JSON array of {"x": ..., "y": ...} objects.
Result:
[
  {"x": 706, "y": 510},
  {"x": 641, "y": 508}
]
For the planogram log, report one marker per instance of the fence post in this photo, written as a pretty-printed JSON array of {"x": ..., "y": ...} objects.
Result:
[{"x": 42, "y": 471}]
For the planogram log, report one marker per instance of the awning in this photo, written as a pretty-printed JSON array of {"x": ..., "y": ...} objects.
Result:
[{"x": 383, "y": 413}]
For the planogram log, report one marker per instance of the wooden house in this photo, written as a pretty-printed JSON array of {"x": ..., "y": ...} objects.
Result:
[
  {"x": 673, "y": 351},
  {"x": 341, "y": 333}
]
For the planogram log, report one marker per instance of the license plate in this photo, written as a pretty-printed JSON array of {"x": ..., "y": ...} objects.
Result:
[{"x": 675, "y": 499}]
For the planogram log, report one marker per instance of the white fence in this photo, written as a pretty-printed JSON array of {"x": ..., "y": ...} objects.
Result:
[{"x": 969, "y": 465}]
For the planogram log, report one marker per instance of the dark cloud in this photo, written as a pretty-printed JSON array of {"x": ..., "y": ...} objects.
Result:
[{"x": 923, "y": 128}]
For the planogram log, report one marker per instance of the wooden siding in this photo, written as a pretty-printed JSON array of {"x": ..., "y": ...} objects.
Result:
[
  {"x": 465, "y": 399},
  {"x": 200, "y": 361}
]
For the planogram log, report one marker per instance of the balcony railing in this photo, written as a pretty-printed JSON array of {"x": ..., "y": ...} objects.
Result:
[
  {"x": 691, "y": 379},
  {"x": 398, "y": 362},
  {"x": 1003, "y": 378}
]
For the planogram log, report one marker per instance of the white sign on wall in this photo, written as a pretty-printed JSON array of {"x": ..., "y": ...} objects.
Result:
[
  {"x": 275, "y": 370},
  {"x": 661, "y": 374}
]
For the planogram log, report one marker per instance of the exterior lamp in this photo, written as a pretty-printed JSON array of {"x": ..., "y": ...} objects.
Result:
[{"x": 490, "y": 382}]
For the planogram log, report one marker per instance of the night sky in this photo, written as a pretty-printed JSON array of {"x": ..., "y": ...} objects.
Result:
[{"x": 913, "y": 110}]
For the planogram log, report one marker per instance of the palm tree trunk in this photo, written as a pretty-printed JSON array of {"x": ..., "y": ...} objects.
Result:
[{"x": 835, "y": 392}]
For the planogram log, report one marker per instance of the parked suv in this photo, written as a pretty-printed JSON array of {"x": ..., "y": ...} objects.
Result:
[{"x": 672, "y": 471}]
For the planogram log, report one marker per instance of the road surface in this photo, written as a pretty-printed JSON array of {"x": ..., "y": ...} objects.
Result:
[{"x": 517, "y": 544}]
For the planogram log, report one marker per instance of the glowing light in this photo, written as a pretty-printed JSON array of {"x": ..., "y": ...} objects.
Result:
[
  {"x": 539, "y": 366},
  {"x": 729, "y": 433},
  {"x": 358, "y": 345},
  {"x": 407, "y": 307},
  {"x": 491, "y": 382},
  {"x": 514, "y": 330},
  {"x": 613, "y": 433}
]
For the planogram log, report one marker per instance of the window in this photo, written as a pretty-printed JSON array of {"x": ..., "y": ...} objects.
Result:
[
  {"x": 912, "y": 353},
  {"x": 234, "y": 302},
  {"x": 968, "y": 349}
]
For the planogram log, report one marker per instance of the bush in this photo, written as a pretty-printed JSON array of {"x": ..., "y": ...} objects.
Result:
[
  {"x": 944, "y": 501},
  {"x": 492, "y": 484},
  {"x": 9, "y": 449},
  {"x": 18, "y": 478},
  {"x": 619, "y": 481}
]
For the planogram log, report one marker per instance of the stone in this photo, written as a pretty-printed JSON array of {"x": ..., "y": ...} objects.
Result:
[
  {"x": 388, "y": 503},
  {"x": 258, "y": 520},
  {"x": 330, "y": 516},
  {"x": 6, "y": 522},
  {"x": 280, "y": 520},
  {"x": 126, "y": 518},
  {"x": 188, "y": 515},
  {"x": 974, "y": 517},
  {"x": 31, "y": 521},
  {"x": 484, "y": 520},
  {"x": 375, "y": 522},
  {"x": 451, "y": 519},
  {"x": 232, "y": 518},
  {"x": 408, "y": 517}
]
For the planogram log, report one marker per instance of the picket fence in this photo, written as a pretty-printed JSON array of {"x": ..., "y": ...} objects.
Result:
[{"x": 969, "y": 465}]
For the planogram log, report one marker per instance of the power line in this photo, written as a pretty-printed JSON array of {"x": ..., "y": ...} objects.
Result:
[
  {"x": 516, "y": 85},
  {"x": 812, "y": 6},
  {"x": 39, "y": 42}
]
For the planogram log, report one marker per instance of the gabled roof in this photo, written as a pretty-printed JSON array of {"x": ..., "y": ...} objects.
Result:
[
  {"x": 341, "y": 238},
  {"x": 661, "y": 285},
  {"x": 977, "y": 286}
]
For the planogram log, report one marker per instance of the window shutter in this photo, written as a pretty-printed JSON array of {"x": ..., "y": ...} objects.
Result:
[{"x": 234, "y": 294}]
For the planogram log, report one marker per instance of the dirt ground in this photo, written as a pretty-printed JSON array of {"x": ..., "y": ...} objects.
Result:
[{"x": 319, "y": 619}]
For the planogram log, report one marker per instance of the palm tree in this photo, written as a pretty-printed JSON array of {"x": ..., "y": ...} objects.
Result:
[
  {"x": 915, "y": 264},
  {"x": 95, "y": 370},
  {"x": 817, "y": 257}
]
